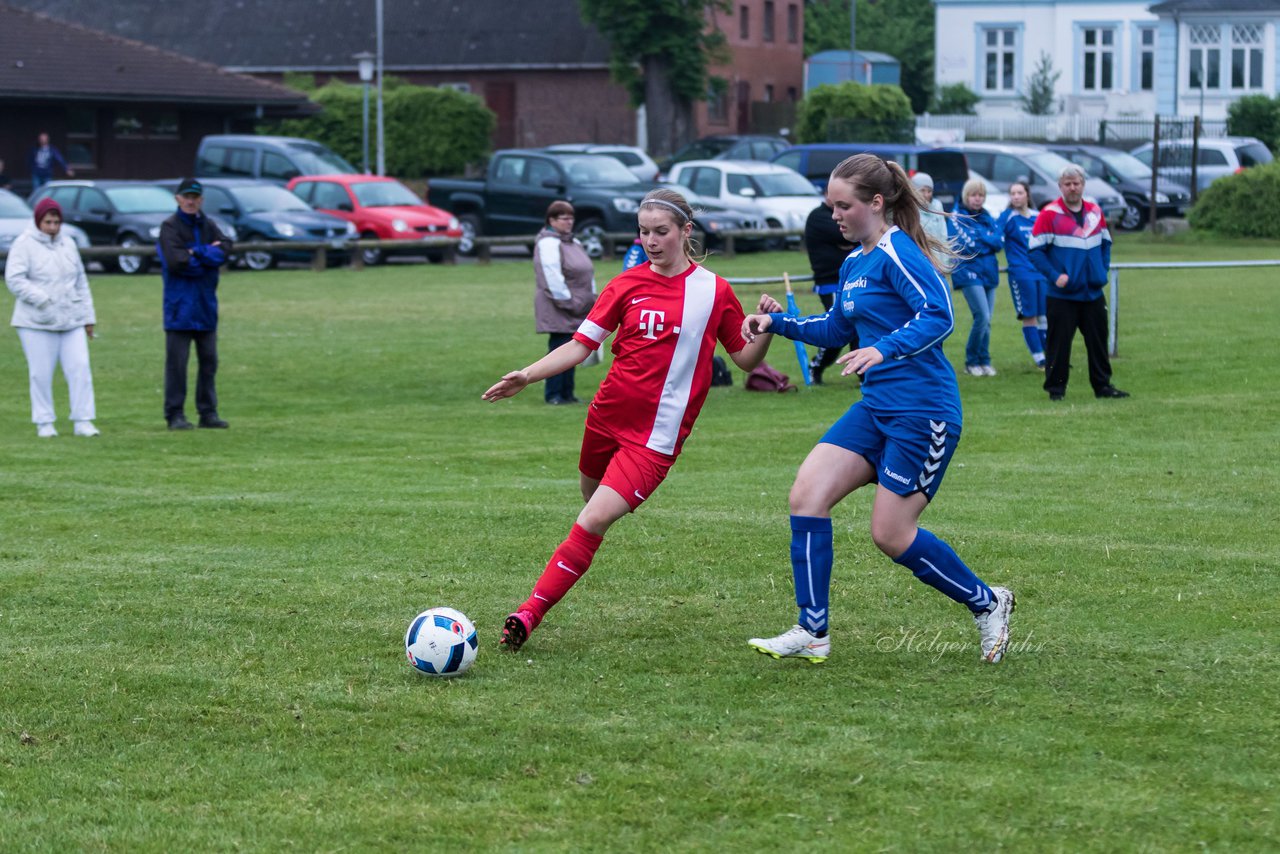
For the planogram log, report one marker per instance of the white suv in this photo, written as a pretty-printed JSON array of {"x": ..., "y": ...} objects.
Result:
[
  {"x": 1216, "y": 157},
  {"x": 782, "y": 197}
]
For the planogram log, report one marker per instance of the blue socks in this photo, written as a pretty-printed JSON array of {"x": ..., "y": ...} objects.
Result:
[
  {"x": 936, "y": 564},
  {"x": 1032, "y": 336},
  {"x": 811, "y": 567},
  {"x": 1042, "y": 324}
]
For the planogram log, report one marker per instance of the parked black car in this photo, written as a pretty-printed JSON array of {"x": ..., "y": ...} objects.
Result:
[
  {"x": 118, "y": 213},
  {"x": 264, "y": 211},
  {"x": 1132, "y": 178}
]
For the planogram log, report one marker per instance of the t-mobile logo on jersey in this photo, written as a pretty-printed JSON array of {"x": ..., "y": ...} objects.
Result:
[{"x": 652, "y": 322}]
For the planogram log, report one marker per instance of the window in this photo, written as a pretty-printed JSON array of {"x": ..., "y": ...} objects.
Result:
[
  {"x": 717, "y": 107},
  {"x": 239, "y": 162},
  {"x": 540, "y": 171},
  {"x": 1246, "y": 56},
  {"x": 305, "y": 190},
  {"x": 1099, "y": 59},
  {"x": 331, "y": 197},
  {"x": 735, "y": 184},
  {"x": 509, "y": 170},
  {"x": 1146, "y": 65},
  {"x": 66, "y": 197},
  {"x": 768, "y": 92},
  {"x": 82, "y": 137},
  {"x": 793, "y": 23},
  {"x": 217, "y": 200},
  {"x": 132, "y": 124},
  {"x": 744, "y": 22},
  {"x": 278, "y": 167},
  {"x": 768, "y": 20},
  {"x": 94, "y": 201},
  {"x": 1204, "y": 56},
  {"x": 128, "y": 124},
  {"x": 791, "y": 93},
  {"x": 706, "y": 182},
  {"x": 998, "y": 60}
]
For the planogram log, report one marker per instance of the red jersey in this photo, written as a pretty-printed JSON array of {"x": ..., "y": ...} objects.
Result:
[{"x": 667, "y": 329}]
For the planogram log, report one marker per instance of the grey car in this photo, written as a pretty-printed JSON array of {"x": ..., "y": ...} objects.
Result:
[
  {"x": 16, "y": 215},
  {"x": 1215, "y": 158},
  {"x": 1004, "y": 163}
]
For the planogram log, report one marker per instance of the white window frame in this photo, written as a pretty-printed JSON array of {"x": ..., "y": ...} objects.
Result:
[
  {"x": 1255, "y": 56},
  {"x": 1140, "y": 51},
  {"x": 1101, "y": 51},
  {"x": 1008, "y": 45},
  {"x": 1200, "y": 45}
]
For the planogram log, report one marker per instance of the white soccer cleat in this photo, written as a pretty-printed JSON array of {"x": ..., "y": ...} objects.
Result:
[
  {"x": 795, "y": 642},
  {"x": 46, "y": 431},
  {"x": 86, "y": 428},
  {"x": 994, "y": 625}
]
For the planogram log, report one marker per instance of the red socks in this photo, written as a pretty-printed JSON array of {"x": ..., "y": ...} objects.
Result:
[{"x": 569, "y": 563}]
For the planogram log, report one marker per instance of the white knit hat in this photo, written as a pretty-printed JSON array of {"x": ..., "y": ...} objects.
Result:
[{"x": 922, "y": 179}]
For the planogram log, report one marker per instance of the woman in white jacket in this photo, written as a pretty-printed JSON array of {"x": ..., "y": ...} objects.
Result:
[{"x": 54, "y": 317}]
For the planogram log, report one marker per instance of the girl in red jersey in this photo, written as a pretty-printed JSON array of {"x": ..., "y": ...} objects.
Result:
[{"x": 667, "y": 313}]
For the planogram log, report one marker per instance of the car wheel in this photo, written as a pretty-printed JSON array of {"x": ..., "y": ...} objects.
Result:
[
  {"x": 1134, "y": 216},
  {"x": 258, "y": 260},
  {"x": 372, "y": 256},
  {"x": 470, "y": 225},
  {"x": 592, "y": 233},
  {"x": 436, "y": 256},
  {"x": 132, "y": 265}
]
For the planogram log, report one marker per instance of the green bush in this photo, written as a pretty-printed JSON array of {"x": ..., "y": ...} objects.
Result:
[
  {"x": 429, "y": 131},
  {"x": 850, "y": 111},
  {"x": 957, "y": 99},
  {"x": 1255, "y": 115},
  {"x": 1240, "y": 205}
]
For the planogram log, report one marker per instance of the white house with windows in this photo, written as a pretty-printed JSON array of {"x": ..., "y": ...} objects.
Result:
[{"x": 1117, "y": 59}]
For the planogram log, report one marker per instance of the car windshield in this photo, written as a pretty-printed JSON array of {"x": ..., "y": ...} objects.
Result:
[
  {"x": 268, "y": 199},
  {"x": 385, "y": 194},
  {"x": 11, "y": 206},
  {"x": 783, "y": 184},
  {"x": 1127, "y": 166},
  {"x": 1048, "y": 163},
  {"x": 143, "y": 199},
  {"x": 703, "y": 149},
  {"x": 318, "y": 160},
  {"x": 597, "y": 169}
]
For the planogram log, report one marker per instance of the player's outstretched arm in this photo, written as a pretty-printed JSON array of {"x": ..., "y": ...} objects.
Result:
[{"x": 558, "y": 361}]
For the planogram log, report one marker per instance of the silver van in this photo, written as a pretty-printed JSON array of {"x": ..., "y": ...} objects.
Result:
[{"x": 269, "y": 158}]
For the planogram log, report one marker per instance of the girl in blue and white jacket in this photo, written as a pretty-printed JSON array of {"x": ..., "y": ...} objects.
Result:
[{"x": 976, "y": 239}]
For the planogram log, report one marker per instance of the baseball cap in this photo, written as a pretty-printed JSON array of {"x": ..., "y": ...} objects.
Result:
[{"x": 190, "y": 187}]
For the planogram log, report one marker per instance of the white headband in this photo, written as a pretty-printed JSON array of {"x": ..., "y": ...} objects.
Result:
[{"x": 683, "y": 216}]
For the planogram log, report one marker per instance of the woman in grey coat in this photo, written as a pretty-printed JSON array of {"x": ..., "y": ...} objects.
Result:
[
  {"x": 565, "y": 292},
  {"x": 54, "y": 317}
]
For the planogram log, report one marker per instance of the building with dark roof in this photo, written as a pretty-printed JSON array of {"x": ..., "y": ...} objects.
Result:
[
  {"x": 117, "y": 107},
  {"x": 538, "y": 66}
]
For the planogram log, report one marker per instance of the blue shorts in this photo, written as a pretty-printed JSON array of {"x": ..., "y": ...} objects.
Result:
[
  {"x": 910, "y": 453},
  {"x": 1028, "y": 299}
]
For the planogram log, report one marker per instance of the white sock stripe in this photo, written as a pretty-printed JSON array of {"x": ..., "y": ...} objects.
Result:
[{"x": 954, "y": 584}]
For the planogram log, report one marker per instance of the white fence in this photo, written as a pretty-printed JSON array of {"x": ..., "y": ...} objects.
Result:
[{"x": 1074, "y": 128}]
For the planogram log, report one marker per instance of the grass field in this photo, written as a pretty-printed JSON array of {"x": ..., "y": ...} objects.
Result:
[{"x": 200, "y": 633}]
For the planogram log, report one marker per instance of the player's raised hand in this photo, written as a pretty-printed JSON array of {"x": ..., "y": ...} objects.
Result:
[
  {"x": 859, "y": 360},
  {"x": 768, "y": 304},
  {"x": 510, "y": 385},
  {"x": 755, "y": 324}
]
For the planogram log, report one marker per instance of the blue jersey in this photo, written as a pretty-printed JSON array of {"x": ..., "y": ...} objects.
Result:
[
  {"x": 1016, "y": 230},
  {"x": 976, "y": 238},
  {"x": 900, "y": 305}
]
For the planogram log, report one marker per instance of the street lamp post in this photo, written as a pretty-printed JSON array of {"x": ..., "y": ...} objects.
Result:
[
  {"x": 364, "y": 63},
  {"x": 382, "y": 149}
]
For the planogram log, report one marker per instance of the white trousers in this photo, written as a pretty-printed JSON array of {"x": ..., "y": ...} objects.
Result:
[{"x": 44, "y": 351}]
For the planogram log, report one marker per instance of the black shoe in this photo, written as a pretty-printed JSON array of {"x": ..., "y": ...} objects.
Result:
[
  {"x": 1056, "y": 395},
  {"x": 213, "y": 422},
  {"x": 180, "y": 422},
  {"x": 1110, "y": 391}
]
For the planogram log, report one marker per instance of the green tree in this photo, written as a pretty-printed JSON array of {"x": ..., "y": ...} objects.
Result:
[
  {"x": 429, "y": 131},
  {"x": 901, "y": 28},
  {"x": 955, "y": 99},
  {"x": 855, "y": 112},
  {"x": 661, "y": 51},
  {"x": 1039, "y": 98},
  {"x": 1255, "y": 115}
]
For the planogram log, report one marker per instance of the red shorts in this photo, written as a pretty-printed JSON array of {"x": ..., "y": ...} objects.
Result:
[{"x": 629, "y": 470}]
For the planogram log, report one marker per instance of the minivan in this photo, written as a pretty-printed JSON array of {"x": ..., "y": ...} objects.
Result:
[
  {"x": 269, "y": 158},
  {"x": 947, "y": 167}
]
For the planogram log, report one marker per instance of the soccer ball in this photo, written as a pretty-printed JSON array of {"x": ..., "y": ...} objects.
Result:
[{"x": 441, "y": 642}]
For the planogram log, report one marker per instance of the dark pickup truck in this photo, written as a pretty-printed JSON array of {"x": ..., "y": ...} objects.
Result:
[{"x": 519, "y": 184}]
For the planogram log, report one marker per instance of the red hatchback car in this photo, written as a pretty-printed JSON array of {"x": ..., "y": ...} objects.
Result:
[{"x": 380, "y": 208}]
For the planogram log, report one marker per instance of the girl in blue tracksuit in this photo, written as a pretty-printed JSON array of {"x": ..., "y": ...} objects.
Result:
[
  {"x": 900, "y": 436},
  {"x": 976, "y": 240},
  {"x": 1026, "y": 284}
]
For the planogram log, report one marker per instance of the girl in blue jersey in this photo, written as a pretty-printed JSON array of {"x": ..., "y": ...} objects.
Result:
[
  {"x": 900, "y": 436},
  {"x": 976, "y": 274},
  {"x": 1025, "y": 282}
]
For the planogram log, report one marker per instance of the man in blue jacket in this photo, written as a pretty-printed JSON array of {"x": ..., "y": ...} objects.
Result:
[
  {"x": 191, "y": 250},
  {"x": 1071, "y": 247},
  {"x": 41, "y": 160}
]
